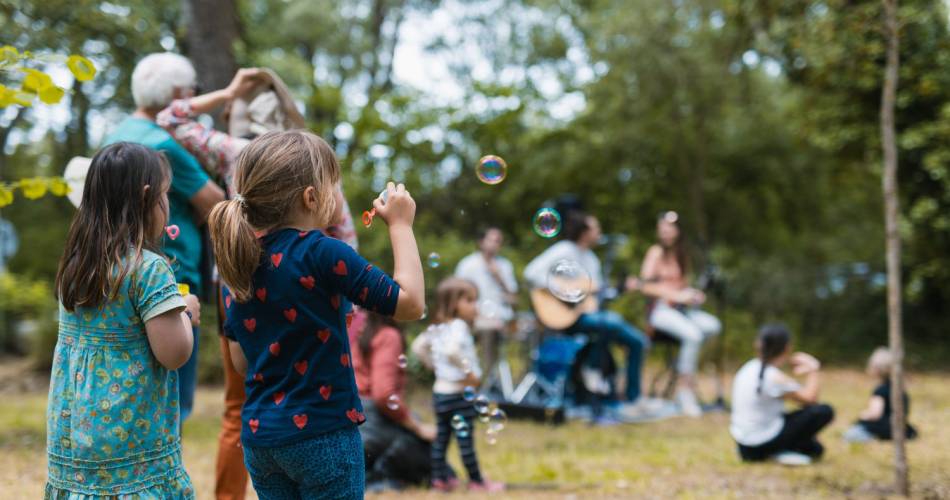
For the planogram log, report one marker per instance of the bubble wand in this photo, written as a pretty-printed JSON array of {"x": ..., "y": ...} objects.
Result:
[{"x": 369, "y": 214}]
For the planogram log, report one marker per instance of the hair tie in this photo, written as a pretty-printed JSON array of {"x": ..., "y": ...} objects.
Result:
[{"x": 240, "y": 199}]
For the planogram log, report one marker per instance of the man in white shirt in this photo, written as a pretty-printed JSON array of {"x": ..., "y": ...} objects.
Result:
[
  {"x": 494, "y": 276},
  {"x": 581, "y": 233}
]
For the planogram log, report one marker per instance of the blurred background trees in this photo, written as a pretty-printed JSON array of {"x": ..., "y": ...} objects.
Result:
[{"x": 756, "y": 121}]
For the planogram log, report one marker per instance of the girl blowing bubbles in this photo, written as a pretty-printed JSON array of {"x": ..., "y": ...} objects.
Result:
[
  {"x": 289, "y": 292},
  {"x": 447, "y": 347},
  {"x": 112, "y": 415},
  {"x": 759, "y": 424}
]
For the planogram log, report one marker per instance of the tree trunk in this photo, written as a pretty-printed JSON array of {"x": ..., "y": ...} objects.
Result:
[
  {"x": 212, "y": 29},
  {"x": 891, "y": 211}
]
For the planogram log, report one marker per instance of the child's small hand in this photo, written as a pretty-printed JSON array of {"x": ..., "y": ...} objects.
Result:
[
  {"x": 193, "y": 309},
  {"x": 804, "y": 363},
  {"x": 399, "y": 207}
]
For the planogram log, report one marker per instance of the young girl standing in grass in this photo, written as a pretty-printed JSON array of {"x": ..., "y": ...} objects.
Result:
[
  {"x": 112, "y": 415},
  {"x": 448, "y": 348},
  {"x": 289, "y": 288}
]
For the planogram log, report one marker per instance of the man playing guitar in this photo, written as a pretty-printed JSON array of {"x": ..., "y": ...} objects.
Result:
[{"x": 581, "y": 233}]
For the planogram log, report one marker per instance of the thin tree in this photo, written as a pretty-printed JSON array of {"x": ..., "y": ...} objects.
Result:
[{"x": 893, "y": 245}]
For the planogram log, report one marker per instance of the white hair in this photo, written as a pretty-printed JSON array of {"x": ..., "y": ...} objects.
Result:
[{"x": 156, "y": 77}]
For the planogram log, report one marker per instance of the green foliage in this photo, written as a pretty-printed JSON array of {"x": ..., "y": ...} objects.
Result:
[{"x": 25, "y": 299}]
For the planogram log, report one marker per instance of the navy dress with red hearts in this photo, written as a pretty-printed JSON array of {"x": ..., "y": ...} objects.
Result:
[{"x": 300, "y": 381}]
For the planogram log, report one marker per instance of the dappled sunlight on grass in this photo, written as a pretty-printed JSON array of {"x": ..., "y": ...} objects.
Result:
[{"x": 676, "y": 458}]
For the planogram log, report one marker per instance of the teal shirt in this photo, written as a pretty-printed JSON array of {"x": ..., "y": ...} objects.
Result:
[{"x": 187, "y": 179}]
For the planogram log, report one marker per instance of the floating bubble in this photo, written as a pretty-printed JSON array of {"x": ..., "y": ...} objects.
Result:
[
  {"x": 393, "y": 402},
  {"x": 491, "y": 436},
  {"x": 484, "y": 417},
  {"x": 569, "y": 281},
  {"x": 488, "y": 309},
  {"x": 547, "y": 222},
  {"x": 468, "y": 393},
  {"x": 384, "y": 195},
  {"x": 402, "y": 361},
  {"x": 458, "y": 421},
  {"x": 463, "y": 431},
  {"x": 497, "y": 420},
  {"x": 434, "y": 260},
  {"x": 491, "y": 169},
  {"x": 481, "y": 404},
  {"x": 466, "y": 366}
]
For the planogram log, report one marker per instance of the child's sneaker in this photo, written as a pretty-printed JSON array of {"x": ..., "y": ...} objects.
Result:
[
  {"x": 792, "y": 458},
  {"x": 444, "y": 485},
  {"x": 486, "y": 486}
]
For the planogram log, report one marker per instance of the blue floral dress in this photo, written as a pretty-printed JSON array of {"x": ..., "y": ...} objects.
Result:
[{"x": 112, "y": 416}]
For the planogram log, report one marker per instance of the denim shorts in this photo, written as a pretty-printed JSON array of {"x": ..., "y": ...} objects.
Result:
[{"x": 327, "y": 466}]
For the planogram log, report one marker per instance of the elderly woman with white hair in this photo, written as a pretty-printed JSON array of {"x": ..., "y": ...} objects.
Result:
[{"x": 157, "y": 80}]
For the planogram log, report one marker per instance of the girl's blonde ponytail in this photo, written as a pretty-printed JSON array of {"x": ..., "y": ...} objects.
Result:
[{"x": 236, "y": 248}]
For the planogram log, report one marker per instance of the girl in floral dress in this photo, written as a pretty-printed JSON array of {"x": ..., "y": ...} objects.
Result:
[{"x": 112, "y": 415}]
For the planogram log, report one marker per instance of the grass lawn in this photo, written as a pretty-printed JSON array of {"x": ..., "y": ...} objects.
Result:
[{"x": 677, "y": 458}]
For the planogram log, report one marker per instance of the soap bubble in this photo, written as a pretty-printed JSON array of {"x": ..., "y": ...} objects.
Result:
[
  {"x": 384, "y": 195},
  {"x": 402, "y": 361},
  {"x": 468, "y": 393},
  {"x": 393, "y": 402},
  {"x": 481, "y": 404},
  {"x": 497, "y": 420},
  {"x": 491, "y": 169},
  {"x": 569, "y": 281},
  {"x": 547, "y": 222},
  {"x": 458, "y": 421},
  {"x": 463, "y": 431},
  {"x": 491, "y": 436},
  {"x": 434, "y": 260},
  {"x": 484, "y": 417}
]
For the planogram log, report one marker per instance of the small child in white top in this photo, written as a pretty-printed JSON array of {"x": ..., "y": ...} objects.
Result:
[{"x": 448, "y": 349}]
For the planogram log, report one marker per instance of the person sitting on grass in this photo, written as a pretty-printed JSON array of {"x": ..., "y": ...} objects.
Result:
[
  {"x": 875, "y": 421},
  {"x": 761, "y": 427}
]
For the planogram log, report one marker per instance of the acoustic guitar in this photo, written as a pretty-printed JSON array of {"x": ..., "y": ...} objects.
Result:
[{"x": 557, "y": 314}]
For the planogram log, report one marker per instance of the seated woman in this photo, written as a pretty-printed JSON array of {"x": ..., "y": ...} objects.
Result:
[
  {"x": 675, "y": 306},
  {"x": 759, "y": 423},
  {"x": 396, "y": 443}
]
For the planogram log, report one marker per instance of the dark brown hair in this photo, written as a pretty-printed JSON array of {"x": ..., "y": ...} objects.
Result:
[
  {"x": 678, "y": 249},
  {"x": 771, "y": 342},
  {"x": 114, "y": 222},
  {"x": 447, "y": 296},
  {"x": 272, "y": 172}
]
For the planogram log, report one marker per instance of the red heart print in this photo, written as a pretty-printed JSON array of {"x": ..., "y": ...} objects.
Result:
[
  {"x": 355, "y": 416},
  {"x": 345, "y": 359},
  {"x": 325, "y": 391},
  {"x": 323, "y": 335},
  {"x": 364, "y": 294},
  {"x": 340, "y": 268},
  {"x": 254, "y": 424},
  {"x": 276, "y": 258},
  {"x": 275, "y": 348},
  {"x": 227, "y": 302},
  {"x": 261, "y": 294},
  {"x": 260, "y": 234},
  {"x": 308, "y": 282},
  {"x": 301, "y": 366},
  {"x": 173, "y": 231},
  {"x": 303, "y": 234},
  {"x": 279, "y": 397},
  {"x": 258, "y": 377},
  {"x": 300, "y": 421},
  {"x": 250, "y": 324},
  {"x": 290, "y": 314},
  {"x": 335, "y": 302}
]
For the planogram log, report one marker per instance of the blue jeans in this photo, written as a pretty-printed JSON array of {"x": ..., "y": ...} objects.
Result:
[
  {"x": 607, "y": 327},
  {"x": 327, "y": 466},
  {"x": 187, "y": 380}
]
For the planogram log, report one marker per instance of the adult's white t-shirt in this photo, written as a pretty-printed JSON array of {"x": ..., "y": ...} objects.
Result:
[
  {"x": 493, "y": 307},
  {"x": 757, "y": 414}
]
